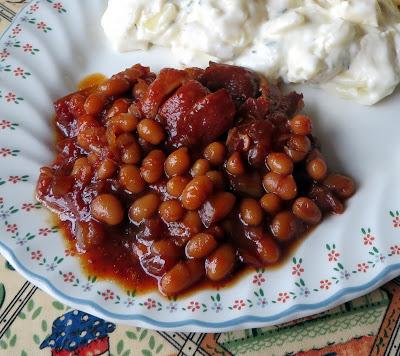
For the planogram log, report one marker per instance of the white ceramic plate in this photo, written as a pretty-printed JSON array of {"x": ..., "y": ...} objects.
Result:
[{"x": 44, "y": 53}]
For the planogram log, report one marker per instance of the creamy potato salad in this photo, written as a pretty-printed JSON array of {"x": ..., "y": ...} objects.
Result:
[{"x": 351, "y": 47}]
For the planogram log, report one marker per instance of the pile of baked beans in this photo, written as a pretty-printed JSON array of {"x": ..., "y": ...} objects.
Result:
[{"x": 187, "y": 175}]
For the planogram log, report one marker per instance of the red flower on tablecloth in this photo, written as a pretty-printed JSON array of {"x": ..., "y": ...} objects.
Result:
[
  {"x": 12, "y": 228},
  {"x": 283, "y": 297},
  {"x": 325, "y": 284},
  {"x": 395, "y": 250},
  {"x": 297, "y": 270},
  {"x": 333, "y": 255},
  {"x": 362, "y": 267},
  {"x": 150, "y": 303},
  {"x": 10, "y": 97},
  {"x": 44, "y": 231},
  {"x": 108, "y": 295},
  {"x": 368, "y": 239},
  {"x": 36, "y": 255},
  {"x": 68, "y": 277},
  {"x": 16, "y": 30},
  {"x": 4, "y": 54},
  {"x": 258, "y": 279},
  {"x": 193, "y": 306},
  {"x": 239, "y": 304}
]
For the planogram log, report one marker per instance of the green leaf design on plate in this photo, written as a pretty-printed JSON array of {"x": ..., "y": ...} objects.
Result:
[
  {"x": 44, "y": 325},
  {"x": 2, "y": 294},
  {"x": 31, "y": 304},
  {"x": 159, "y": 348},
  {"x": 36, "y": 339},
  {"x": 126, "y": 353},
  {"x": 147, "y": 353},
  {"x": 143, "y": 335},
  {"x": 3, "y": 344},
  {"x": 58, "y": 305},
  {"x": 131, "y": 335},
  {"x": 22, "y": 315},
  {"x": 13, "y": 341},
  {"x": 23, "y": 353}
]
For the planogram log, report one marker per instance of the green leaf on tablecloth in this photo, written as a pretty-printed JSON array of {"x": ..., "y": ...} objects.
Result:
[
  {"x": 142, "y": 335},
  {"x": 2, "y": 294},
  {"x": 23, "y": 353},
  {"x": 152, "y": 342},
  {"x": 36, "y": 339},
  {"x": 44, "y": 325},
  {"x": 126, "y": 353},
  {"x": 3, "y": 345},
  {"x": 36, "y": 313},
  {"x": 22, "y": 315},
  {"x": 147, "y": 353},
  {"x": 13, "y": 341},
  {"x": 31, "y": 304},
  {"x": 8, "y": 333},
  {"x": 131, "y": 335},
  {"x": 120, "y": 346},
  {"x": 58, "y": 305},
  {"x": 159, "y": 348}
]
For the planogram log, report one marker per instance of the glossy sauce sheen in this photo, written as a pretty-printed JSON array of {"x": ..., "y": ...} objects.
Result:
[{"x": 225, "y": 133}]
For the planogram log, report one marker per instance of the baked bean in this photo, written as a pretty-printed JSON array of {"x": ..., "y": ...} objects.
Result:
[
  {"x": 235, "y": 165},
  {"x": 342, "y": 185},
  {"x": 107, "y": 209},
  {"x": 82, "y": 170},
  {"x": 119, "y": 106},
  {"x": 144, "y": 207},
  {"x": 176, "y": 185},
  {"x": 171, "y": 210},
  {"x": 251, "y": 212},
  {"x": 200, "y": 245},
  {"x": 131, "y": 154},
  {"x": 89, "y": 234},
  {"x": 139, "y": 89},
  {"x": 131, "y": 179},
  {"x": 196, "y": 192},
  {"x": 165, "y": 248},
  {"x": 181, "y": 276},
  {"x": 123, "y": 123},
  {"x": 216, "y": 208},
  {"x": 193, "y": 222},
  {"x": 200, "y": 167},
  {"x": 297, "y": 147},
  {"x": 113, "y": 87},
  {"x": 178, "y": 162},
  {"x": 220, "y": 263},
  {"x": 284, "y": 186},
  {"x": 217, "y": 178},
  {"x": 306, "y": 210},
  {"x": 301, "y": 125},
  {"x": 94, "y": 104},
  {"x": 284, "y": 225},
  {"x": 86, "y": 121},
  {"x": 267, "y": 249},
  {"x": 106, "y": 169},
  {"x": 317, "y": 168},
  {"x": 215, "y": 153},
  {"x": 125, "y": 140},
  {"x": 91, "y": 138},
  {"x": 153, "y": 166},
  {"x": 271, "y": 203},
  {"x": 279, "y": 163},
  {"x": 216, "y": 231},
  {"x": 151, "y": 131}
]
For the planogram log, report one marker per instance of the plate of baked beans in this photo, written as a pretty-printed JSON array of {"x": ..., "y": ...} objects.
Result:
[{"x": 175, "y": 197}]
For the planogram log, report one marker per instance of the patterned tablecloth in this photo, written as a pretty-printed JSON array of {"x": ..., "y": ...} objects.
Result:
[{"x": 367, "y": 325}]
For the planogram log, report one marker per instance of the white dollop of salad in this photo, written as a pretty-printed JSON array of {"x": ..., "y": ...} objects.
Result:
[{"x": 350, "y": 47}]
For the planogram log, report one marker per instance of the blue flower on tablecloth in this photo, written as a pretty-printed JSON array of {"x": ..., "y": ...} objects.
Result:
[{"x": 76, "y": 330}]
